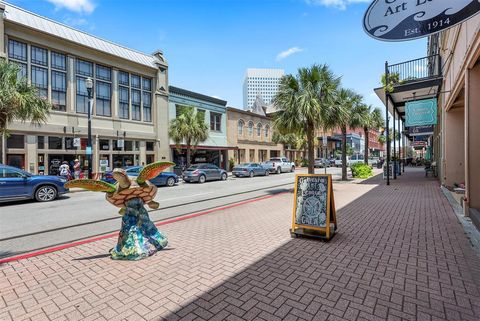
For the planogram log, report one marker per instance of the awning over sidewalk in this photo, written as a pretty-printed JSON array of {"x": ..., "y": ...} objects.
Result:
[{"x": 182, "y": 146}]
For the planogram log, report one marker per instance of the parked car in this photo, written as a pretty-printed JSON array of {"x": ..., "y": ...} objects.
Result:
[
  {"x": 250, "y": 169},
  {"x": 163, "y": 179},
  {"x": 279, "y": 165},
  {"x": 373, "y": 161},
  {"x": 355, "y": 159},
  {"x": 204, "y": 172},
  {"x": 16, "y": 184},
  {"x": 321, "y": 162},
  {"x": 338, "y": 161}
]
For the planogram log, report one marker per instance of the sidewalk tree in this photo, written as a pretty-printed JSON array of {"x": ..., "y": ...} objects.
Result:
[
  {"x": 18, "y": 99},
  {"x": 189, "y": 127},
  {"x": 343, "y": 114},
  {"x": 301, "y": 101},
  {"x": 369, "y": 119}
]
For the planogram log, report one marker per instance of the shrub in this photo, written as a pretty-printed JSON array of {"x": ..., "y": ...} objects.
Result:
[
  {"x": 361, "y": 170},
  {"x": 304, "y": 162},
  {"x": 231, "y": 163}
]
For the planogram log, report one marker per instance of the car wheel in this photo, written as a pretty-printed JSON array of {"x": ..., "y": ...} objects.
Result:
[
  {"x": 279, "y": 170},
  {"x": 202, "y": 179},
  {"x": 251, "y": 174},
  {"x": 292, "y": 169},
  {"x": 224, "y": 176},
  {"x": 46, "y": 193},
  {"x": 267, "y": 173},
  {"x": 170, "y": 181}
]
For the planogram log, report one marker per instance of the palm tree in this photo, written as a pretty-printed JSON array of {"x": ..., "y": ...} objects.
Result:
[
  {"x": 18, "y": 99},
  {"x": 301, "y": 101},
  {"x": 369, "y": 119},
  {"x": 188, "y": 127},
  {"x": 343, "y": 114}
]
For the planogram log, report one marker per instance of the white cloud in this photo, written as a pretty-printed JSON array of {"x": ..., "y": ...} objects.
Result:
[
  {"x": 288, "y": 52},
  {"x": 80, "y": 6},
  {"x": 339, "y": 4}
]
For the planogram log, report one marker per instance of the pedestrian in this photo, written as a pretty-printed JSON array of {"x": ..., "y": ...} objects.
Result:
[
  {"x": 65, "y": 170},
  {"x": 76, "y": 169}
]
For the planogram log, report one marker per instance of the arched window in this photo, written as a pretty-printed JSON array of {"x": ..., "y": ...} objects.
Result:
[
  {"x": 267, "y": 131},
  {"x": 259, "y": 129},
  {"x": 250, "y": 128},
  {"x": 241, "y": 124}
]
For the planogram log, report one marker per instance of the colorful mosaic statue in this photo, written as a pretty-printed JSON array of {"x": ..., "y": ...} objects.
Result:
[{"x": 138, "y": 237}]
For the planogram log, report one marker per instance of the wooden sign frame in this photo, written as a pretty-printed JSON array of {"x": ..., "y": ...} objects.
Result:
[{"x": 331, "y": 214}]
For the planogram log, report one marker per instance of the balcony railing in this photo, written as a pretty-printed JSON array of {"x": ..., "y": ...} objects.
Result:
[{"x": 415, "y": 70}]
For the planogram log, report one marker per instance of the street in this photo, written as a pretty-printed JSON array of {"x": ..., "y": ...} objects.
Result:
[{"x": 29, "y": 225}]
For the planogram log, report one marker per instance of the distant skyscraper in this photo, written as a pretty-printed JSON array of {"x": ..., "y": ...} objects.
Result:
[{"x": 263, "y": 82}]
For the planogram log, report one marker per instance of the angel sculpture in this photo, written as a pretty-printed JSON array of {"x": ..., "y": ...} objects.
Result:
[{"x": 138, "y": 237}]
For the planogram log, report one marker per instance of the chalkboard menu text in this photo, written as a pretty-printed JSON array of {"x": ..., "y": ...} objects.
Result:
[{"x": 314, "y": 206}]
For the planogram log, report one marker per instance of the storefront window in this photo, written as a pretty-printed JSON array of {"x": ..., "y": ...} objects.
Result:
[
  {"x": 69, "y": 143},
  {"x": 137, "y": 145},
  {"x": 41, "y": 142},
  {"x": 54, "y": 142},
  {"x": 150, "y": 146},
  {"x": 17, "y": 50},
  {"x": 59, "y": 90},
  {"x": 120, "y": 161},
  {"x": 116, "y": 145},
  {"x": 104, "y": 144},
  {"x": 16, "y": 141},
  {"x": 215, "y": 121},
  {"x": 128, "y": 145},
  {"x": 150, "y": 159}
]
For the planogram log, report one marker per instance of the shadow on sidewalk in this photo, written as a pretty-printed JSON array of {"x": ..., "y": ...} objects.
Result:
[{"x": 392, "y": 258}]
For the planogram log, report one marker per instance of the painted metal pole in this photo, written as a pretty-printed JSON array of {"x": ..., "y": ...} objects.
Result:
[
  {"x": 89, "y": 85},
  {"x": 400, "y": 154},
  {"x": 386, "y": 123},
  {"x": 394, "y": 137},
  {"x": 404, "y": 144}
]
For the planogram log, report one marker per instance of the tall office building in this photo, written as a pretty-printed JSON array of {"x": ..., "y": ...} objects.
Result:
[{"x": 263, "y": 82}]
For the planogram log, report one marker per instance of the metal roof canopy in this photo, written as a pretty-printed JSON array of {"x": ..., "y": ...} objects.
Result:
[
  {"x": 31, "y": 20},
  {"x": 411, "y": 91}
]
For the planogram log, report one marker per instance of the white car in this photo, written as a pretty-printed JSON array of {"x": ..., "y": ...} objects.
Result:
[{"x": 355, "y": 159}]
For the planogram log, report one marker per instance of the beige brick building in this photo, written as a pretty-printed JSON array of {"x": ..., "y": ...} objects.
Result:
[
  {"x": 456, "y": 138},
  {"x": 130, "y": 101},
  {"x": 250, "y": 133}
]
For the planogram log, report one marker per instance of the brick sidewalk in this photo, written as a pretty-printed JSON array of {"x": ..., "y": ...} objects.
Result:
[{"x": 400, "y": 254}]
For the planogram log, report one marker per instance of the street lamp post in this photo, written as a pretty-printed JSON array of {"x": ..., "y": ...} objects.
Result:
[{"x": 89, "y": 85}]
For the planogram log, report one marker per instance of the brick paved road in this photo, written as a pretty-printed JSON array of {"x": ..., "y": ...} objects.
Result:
[{"x": 400, "y": 254}]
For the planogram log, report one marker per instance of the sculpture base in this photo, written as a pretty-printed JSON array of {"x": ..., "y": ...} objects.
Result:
[{"x": 138, "y": 237}]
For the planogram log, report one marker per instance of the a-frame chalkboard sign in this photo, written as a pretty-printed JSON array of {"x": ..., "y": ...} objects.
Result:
[{"x": 314, "y": 207}]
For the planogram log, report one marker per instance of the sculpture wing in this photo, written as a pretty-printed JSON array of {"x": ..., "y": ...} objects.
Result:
[
  {"x": 91, "y": 185},
  {"x": 152, "y": 170}
]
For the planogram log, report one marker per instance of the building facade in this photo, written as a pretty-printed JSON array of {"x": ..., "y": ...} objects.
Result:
[
  {"x": 250, "y": 134},
  {"x": 130, "y": 97},
  {"x": 456, "y": 147},
  {"x": 214, "y": 149},
  {"x": 260, "y": 82}
]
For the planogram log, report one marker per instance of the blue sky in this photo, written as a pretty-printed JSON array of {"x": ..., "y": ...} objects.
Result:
[{"x": 210, "y": 43}]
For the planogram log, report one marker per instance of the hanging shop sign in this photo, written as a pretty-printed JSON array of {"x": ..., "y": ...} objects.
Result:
[
  {"x": 420, "y": 130},
  {"x": 421, "y": 112},
  {"x": 419, "y": 144},
  {"x": 313, "y": 207},
  {"x": 401, "y": 20}
]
